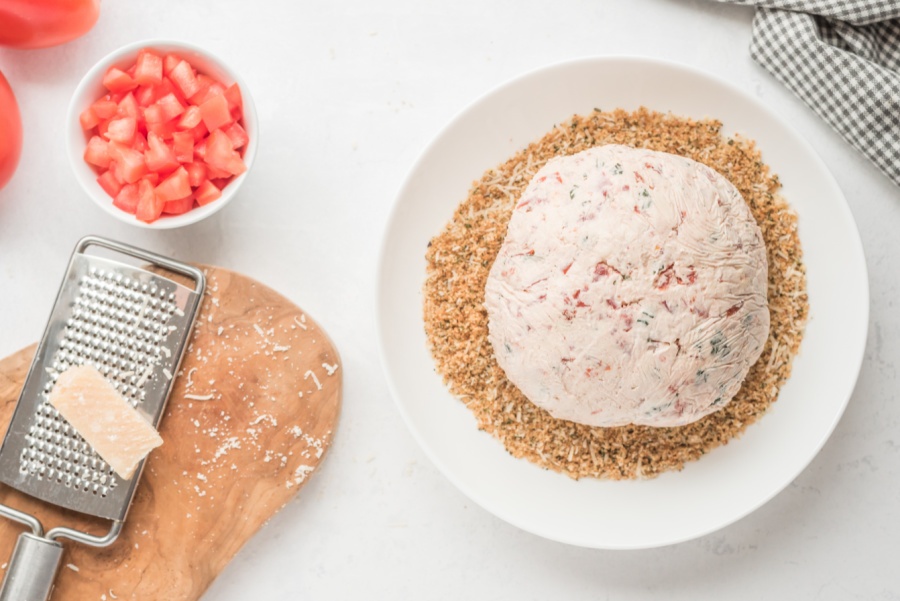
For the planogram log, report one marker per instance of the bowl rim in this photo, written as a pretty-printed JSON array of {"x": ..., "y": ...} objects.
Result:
[{"x": 75, "y": 142}]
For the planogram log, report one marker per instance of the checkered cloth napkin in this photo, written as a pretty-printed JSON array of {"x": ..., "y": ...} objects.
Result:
[{"x": 842, "y": 58}]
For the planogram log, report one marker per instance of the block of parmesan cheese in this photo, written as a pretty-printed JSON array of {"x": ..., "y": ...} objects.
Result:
[{"x": 108, "y": 422}]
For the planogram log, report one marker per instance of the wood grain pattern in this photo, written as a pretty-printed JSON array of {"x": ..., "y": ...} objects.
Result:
[{"x": 227, "y": 463}]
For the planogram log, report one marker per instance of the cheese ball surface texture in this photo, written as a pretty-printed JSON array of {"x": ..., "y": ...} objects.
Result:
[{"x": 630, "y": 289}]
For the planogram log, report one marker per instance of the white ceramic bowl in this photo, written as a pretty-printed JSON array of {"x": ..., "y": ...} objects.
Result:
[
  {"x": 729, "y": 482},
  {"x": 91, "y": 88}
]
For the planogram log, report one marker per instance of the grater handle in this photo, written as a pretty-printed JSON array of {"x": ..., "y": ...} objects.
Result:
[
  {"x": 145, "y": 255},
  {"x": 32, "y": 569}
]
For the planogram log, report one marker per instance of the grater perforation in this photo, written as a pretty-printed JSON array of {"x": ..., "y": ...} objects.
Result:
[{"x": 116, "y": 326}]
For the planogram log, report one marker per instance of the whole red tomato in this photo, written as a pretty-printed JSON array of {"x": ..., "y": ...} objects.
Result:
[
  {"x": 10, "y": 132},
  {"x": 43, "y": 23}
]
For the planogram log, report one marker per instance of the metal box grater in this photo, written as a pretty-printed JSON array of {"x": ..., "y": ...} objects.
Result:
[{"x": 133, "y": 326}]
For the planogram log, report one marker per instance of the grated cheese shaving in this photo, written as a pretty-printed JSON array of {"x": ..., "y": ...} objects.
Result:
[
  {"x": 144, "y": 377},
  {"x": 309, "y": 373},
  {"x": 300, "y": 475}
]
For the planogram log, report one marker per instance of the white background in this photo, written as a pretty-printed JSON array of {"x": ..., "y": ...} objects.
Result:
[{"x": 348, "y": 94}]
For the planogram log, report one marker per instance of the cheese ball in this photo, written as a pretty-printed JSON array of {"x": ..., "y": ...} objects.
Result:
[{"x": 630, "y": 289}]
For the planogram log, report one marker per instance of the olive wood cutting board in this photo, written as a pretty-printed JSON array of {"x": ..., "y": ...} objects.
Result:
[{"x": 252, "y": 412}]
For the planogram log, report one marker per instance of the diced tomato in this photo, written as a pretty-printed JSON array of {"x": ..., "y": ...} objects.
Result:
[
  {"x": 215, "y": 172},
  {"x": 89, "y": 120},
  {"x": 190, "y": 118},
  {"x": 117, "y": 80},
  {"x": 215, "y": 113},
  {"x": 196, "y": 173},
  {"x": 140, "y": 142},
  {"x": 220, "y": 153},
  {"x": 149, "y": 68},
  {"x": 121, "y": 130},
  {"x": 170, "y": 107},
  {"x": 200, "y": 132},
  {"x": 116, "y": 172},
  {"x": 215, "y": 89},
  {"x": 127, "y": 107},
  {"x": 127, "y": 198},
  {"x": 184, "y": 79},
  {"x": 233, "y": 96},
  {"x": 165, "y": 138},
  {"x": 166, "y": 88},
  {"x": 150, "y": 205},
  {"x": 219, "y": 144},
  {"x": 208, "y": 89},
  {"x": 116, "y": 150},
  {"x": 206, "y": 193},
  {"x": 163, "y": 130},
  {"x": 177, "y": 207},
  {"x": 105, "y": 108},
  {"x": 170, "y": 62},
  {"x": 237, "y": 135},
  {"x": 175, "y": 186},
  {"x": 203, "y": 83},
  {"x": 130, "y": 164},
  {"x": 153, "y": 114},
  {"x": 221, "y": 182},
  {"x": 145, "y": 96},
  {"x": 159, "y": 156},
  {"x": 108, "y": 182},
  {"x": 200, "y": 149},
  {"x": 183, "y": 145},
  {"x": 97, "y": 152}
]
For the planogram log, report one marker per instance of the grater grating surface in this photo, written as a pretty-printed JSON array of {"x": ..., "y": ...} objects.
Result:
[{"x": 132, "y": 325}]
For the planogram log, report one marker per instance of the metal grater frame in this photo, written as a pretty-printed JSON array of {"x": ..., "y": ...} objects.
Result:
[{"x": 133, "y": 326}]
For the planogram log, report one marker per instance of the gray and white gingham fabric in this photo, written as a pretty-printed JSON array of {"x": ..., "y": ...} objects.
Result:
[{"x": 842, "y": 58}]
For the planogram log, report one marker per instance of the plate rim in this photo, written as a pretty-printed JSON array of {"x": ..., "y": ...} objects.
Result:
[{"x": 436, "y": 139}]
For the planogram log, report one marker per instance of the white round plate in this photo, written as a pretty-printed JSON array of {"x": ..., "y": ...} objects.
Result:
[{"x": 730, "y": 481}]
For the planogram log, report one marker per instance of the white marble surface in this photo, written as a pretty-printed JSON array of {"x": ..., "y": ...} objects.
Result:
[{"x": 348, "y": 94}]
